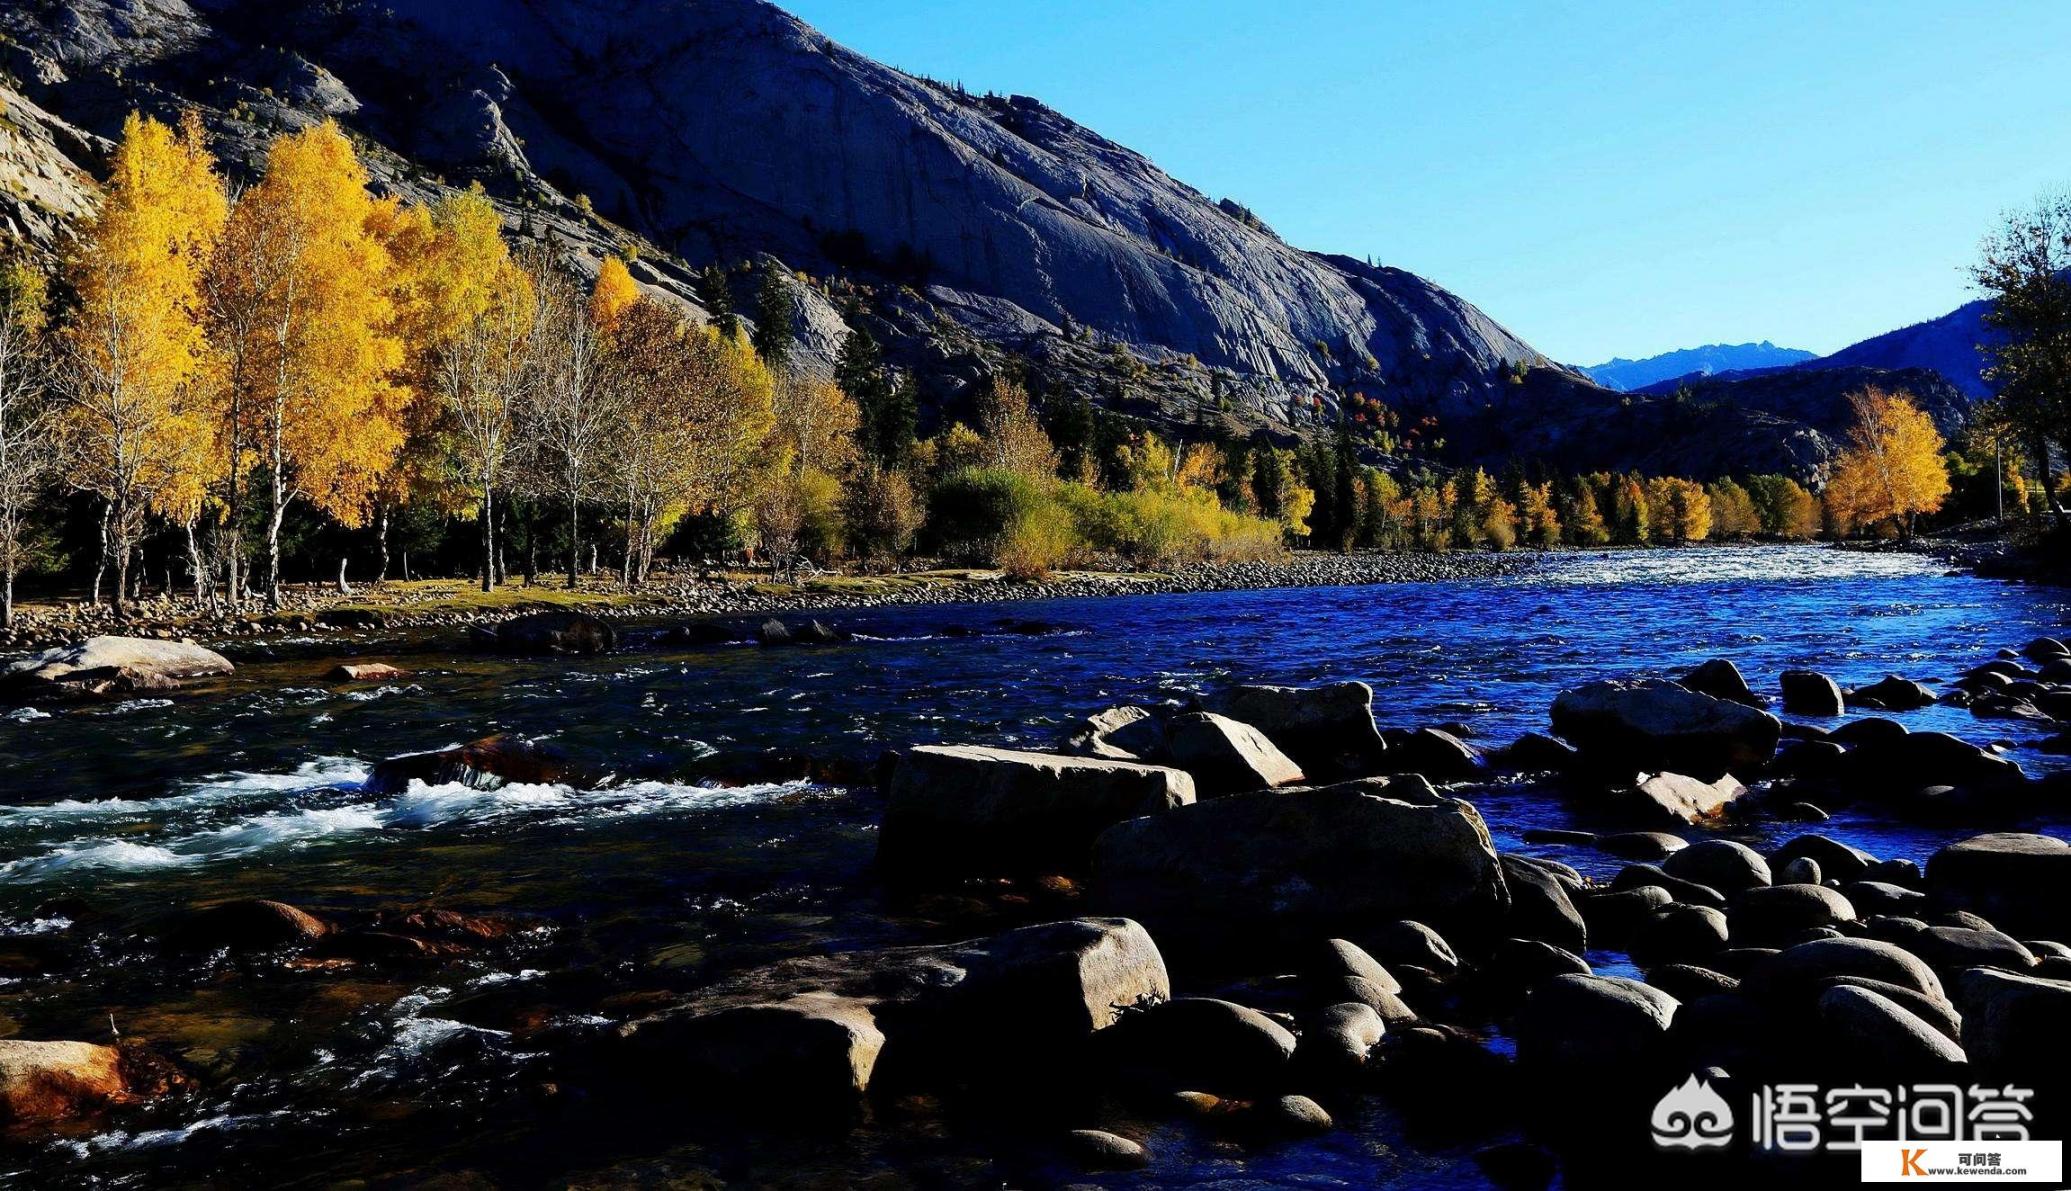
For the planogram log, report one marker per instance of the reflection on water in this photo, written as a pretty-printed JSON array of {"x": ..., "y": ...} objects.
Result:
[{"x": 253, "y": 788}]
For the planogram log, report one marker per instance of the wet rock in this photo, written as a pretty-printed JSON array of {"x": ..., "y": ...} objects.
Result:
[
  {"x": 2021, "y": 881},
  {"x": 1200, "y": 1042},
  {"x": 1540, "y": 907},
  {"x": 550, "y": 632},
  {"x": 968, "y": 810},
  {"x": 1720, "y": 679},
  {"x": 485, "y": 764},
  {"x": 1808, "y": 692},
  {"x": 1677, "y": 933},
  {"x": 1119, "y": 734},
  {"x": 1097, "y": 1149},
  {"x": 2043, "y": 649},
  {"x": 775, "y": 632},
  {"x": 1436, "y": 754},
  {"x": 1302, "y": 861},
  {"x": 1641, "y": 845},
  {"x": 1335, "y": 1039},
  {"x": 1331, "y": 960},
  {"x": 1892, "y": 693},
  {"x": 366, "y": 672},
  {"x": 1410, "y": 944},
  {"x": 1656, "y": 726},
  {"x": 2015, "y": 1024},
  {"x": 53, "y": 1082},
  {"x": 1225, "y": 756},
  {"x": 1799, "y": 870},
  {"x": 1868, "y": 730},
  {"x": 1672, "y": 798},
  {"x": 1723, "y": 865},
  {"x": 1809, "y": 758},
  {"x": 244, "y": 926},
  {"x": 1326, "y": 729},
  {"x": 1516, "y": 965},
  {"x": 102, "y": 666},
  {"x": 1869, "y": 1032}
]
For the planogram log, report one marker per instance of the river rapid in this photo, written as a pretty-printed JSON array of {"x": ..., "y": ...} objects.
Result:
[{"x": 701, "y": 857}]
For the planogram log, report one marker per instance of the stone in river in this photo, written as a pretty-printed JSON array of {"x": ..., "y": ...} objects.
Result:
[
  {"x": 1301, "y": 862},
  {"x": 1808, "y": 692},
  {"x": 1201, "y": 1042},
  {"x": 968, "y": 810},
  {"x": 1653, "y": 725},
  {"x": 815, "y": 1047},
  {"x": 2015, "y": 1024},
  {"x": 1336, "y": 1038},
  {"x": 1723, "y": 864},
  {"x": 1720, "y": 679},
  {"x": 551, "y": 632},
  {"x": 1581, "y": 1032},
  {"x": 1672, "y": 798},
  {"x": 1434, "y": 753},
  {"x": 1119, "y": 734},
  {"x": 365, "y": 672},
  {"x": 1838, "y": 860},
  {"x": 485, "y": 764},
  {"x": 1540, "y": 907},
  {"x": 1893, "y": 693},
  {"x": 1678, "y": 933},
  {"x": 1226, "y": 756},
  {"x": 51, "y": 1082},
  {"x": 1641, "y": 845},
  {"x": 1097, "y": 1149},
  {"x": 246, "y": 925},
  {"x": 2017, "y": 880},
  {"x": 1871, "y": 1033},
  {"x": 1326, "y": 729},
  {"x": 111, "y": 666},
  {"x": 2042, "y": 649}
]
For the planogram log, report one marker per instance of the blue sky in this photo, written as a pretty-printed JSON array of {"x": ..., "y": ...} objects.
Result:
[{"x": 1604, "y": 178}]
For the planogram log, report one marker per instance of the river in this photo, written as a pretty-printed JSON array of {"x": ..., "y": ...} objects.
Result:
[{"x": 115, "y": 814}]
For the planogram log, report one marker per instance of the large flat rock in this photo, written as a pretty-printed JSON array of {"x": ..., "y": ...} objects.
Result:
[
  {"x": 1652, "y": 725},
  {"x": 111, "y": 666}
]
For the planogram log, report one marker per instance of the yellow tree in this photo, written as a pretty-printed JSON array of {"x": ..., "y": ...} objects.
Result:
[
  {"x": 305, "y": 281},
  {"x": 613, "y": 294},
  {"x": 1892, "y": 469},
  {"x": 135, "y": 349}
]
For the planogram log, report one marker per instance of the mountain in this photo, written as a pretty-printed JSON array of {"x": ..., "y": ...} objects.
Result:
[
  {"x": 1625, "y": 375},
  {"x": 1948, "y": 345},
  {"x": 972, "y": 234}
]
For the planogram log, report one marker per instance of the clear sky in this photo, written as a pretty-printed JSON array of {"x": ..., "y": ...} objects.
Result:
[{"x": 1605, "y": 178}]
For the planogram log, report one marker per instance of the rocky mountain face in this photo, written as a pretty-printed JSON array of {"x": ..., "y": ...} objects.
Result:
[
  {"x": 970, "y": 233},
  {"x": 1625, "y": 375}
]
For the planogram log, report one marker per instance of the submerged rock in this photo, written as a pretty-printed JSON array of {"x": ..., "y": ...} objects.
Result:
[
  {"x": 1299, "y": 861},
  {"x": 366, "y": 672},
  {"x": 1893, "y": 693},
  {"x": 1653, "y": 725},
  {"x": 1720, "y": 679},
  {"x": 246, "y": 925},
  {"x": 1808, "y": 692},
  {"x": 111, "y": 666},
  {"x": 967, "y": 810}
]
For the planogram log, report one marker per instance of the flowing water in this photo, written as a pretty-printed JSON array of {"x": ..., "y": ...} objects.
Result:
[{"x": 113, "y": 815}]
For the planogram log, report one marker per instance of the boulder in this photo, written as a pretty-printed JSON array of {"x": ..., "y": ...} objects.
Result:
[
  {"x": 551, "y": 632},
  {"x": 1653, "y": 725},
  {"x": 1880, "y": 897},
  {"x": 1808, "y": 692},
  {"x": 1799, "y": 870},
  {"x": 1301, "y": 861},
  {"x": 1920, "y": 759},
  {"x": 1637, "y": 876},
  {"x": 1435, "y": 754},
  {"x": 1326, "y": 729},
  {"x": 1837, "y": 860},
  {"x": 1119, "y": 734},
  {"x": 1892, "y": 693},
  {"x": 1583, "y": 1032},
  {"x": 1774, "y": 912},
  {"x": 2043, "y": 649},
  {"x": 815, "y": 1047},
  {"x": 1540, "y": 907},
  {"x": 1641, "y": 845},
  {"x": 1869, "y": 1032},
  {"x": 1794, "y": 975},
  {"x": 246, "y": 925},
  {"x": 1202, "y": 1043},
  {"x": 110, "y": 666},
  {"x": 1386, "y": 1003},
  {"x": 1536, "y": 752},
  {"x": 1688, "y": 982},
  {"x": 1722, "y": 864},
  {"x": 366, "y": 672},
  {"x": 1226, "y": 756},
  {"x": 775, "y": 632},
  {"x": 1720, "y": 679},
  {"x": 1869, "y": 729},
  {"x": 1327, "y": 963},
  {"x": 1679, "y": 934},
  {"x": 1934, "y": 1010},
  {"x": 1336, "y": 1038},
  {"x": 1097, "y": 1149},
  {"x": 966, "y": 810},
  {"x": 1291, "y": 1116},
  {"x": 2016, "y": 1024},
  {"x": 52, "y": 1082},
  {"x": 1514, "y": 966},
  {"x": 1411, "y": 944},
  {"x": 485, "y": 764},
  {"x": 2019, "y": 881},
  {"x": 1949, "y": 949},
  {"x": 1613, "y": 915},
  {"x": 1671, "y": 798},
  {"x": 995, "y": 1006}
]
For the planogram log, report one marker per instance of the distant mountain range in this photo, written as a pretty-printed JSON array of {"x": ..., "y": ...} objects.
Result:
[{"x": 1710, "y": 360}]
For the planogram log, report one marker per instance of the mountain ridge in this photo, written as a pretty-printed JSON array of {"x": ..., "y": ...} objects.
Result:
[{"x": 1625, "y": 375}]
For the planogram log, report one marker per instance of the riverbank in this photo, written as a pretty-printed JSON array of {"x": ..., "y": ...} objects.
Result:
[{"x": 435, "y": 603}]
